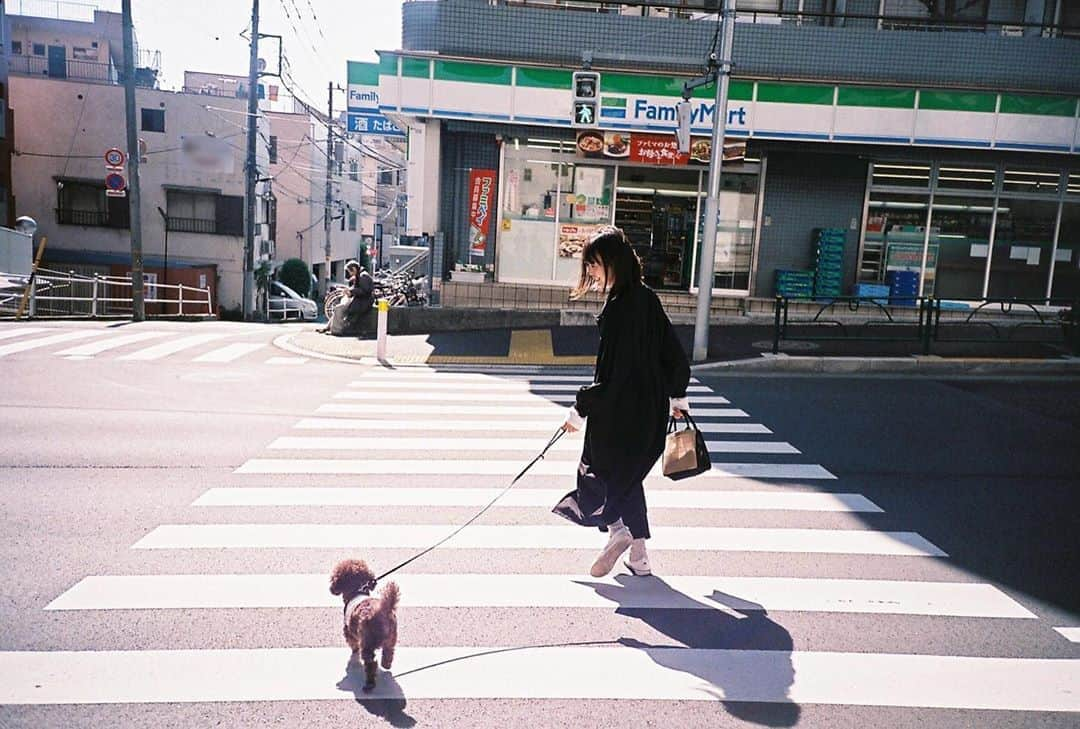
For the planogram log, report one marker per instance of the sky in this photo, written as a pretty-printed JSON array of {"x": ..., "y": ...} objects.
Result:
[{"x": 319, "y": 37}]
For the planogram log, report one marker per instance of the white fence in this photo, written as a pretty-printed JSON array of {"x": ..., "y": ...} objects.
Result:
[{"x": 70, "y": 294}]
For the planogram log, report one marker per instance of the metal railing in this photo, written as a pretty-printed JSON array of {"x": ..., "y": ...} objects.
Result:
[
  {"x": 55, "y": 293},
  {"x": 924, "y": 321},
  {"x": 24, "y": 65},
  {"x": 191, "y": 225},
  {"x": 94, "y": 218},
  {"x": 55, "y": 9}
]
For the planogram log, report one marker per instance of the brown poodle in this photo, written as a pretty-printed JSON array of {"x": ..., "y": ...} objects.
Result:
[{"x": 370, "y": 622}]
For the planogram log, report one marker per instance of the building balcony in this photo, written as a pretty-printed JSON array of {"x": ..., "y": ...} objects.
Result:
[
  {"x": 191, "y": 225},
  {"x": 992, "y": 51},
  {"x": 104, "y": 73}
]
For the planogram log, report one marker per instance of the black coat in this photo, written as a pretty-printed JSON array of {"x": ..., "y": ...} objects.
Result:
[
  {"x": 361, "y": 288},
  {"x": 640, "y": 364}
]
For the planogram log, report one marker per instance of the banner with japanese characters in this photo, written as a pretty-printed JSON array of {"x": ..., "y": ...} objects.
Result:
[{"x": 481, "y": 204}]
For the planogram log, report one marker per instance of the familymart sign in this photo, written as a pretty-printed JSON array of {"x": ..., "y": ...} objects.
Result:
[
  {"x": 364, "y": 116},
  {"x": 450, "y": 89}
]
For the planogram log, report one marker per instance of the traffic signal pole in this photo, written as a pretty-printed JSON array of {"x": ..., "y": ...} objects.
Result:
[{"x": 706, "y": 263}]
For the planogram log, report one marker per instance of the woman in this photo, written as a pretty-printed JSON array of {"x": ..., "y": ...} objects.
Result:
[{"x": 640, "y": 378}]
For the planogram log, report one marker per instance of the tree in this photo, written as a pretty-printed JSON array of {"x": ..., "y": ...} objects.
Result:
[{"x": 295, "y": 274}]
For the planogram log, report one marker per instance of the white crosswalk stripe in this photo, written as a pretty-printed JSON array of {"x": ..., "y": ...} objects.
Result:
[
  {"x": 519, "y": 397},
  {"x": 230, "y": 352},
  {"x": 564, "y": 446},
  {"x": 146, "y": 592},
  {"x": 113, "y": 342},
  {"x": 516, "y": 426},
  {"x": 171, "y": 347},
  {"x": 525, "y": 497},
  {"x": 389, "y": 466},
  {"x": 492, "y": 672},
  {"x": 491, "y": 410},
  {"x": 13, "y": 332},
  {"x": 483, "y": 536},
  {"x": 496, "y": 385},
  {"x": 486, "y": 427},
  {"x": 36, "y": 343}
]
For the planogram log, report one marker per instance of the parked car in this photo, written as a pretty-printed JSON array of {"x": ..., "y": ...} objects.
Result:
[{"x": 287, "y": 304}]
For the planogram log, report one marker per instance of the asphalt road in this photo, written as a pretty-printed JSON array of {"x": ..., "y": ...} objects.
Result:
[{"x": 118, "y": 477}]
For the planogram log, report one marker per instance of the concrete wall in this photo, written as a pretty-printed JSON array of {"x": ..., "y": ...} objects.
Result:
[{"x": 62, "y": 118}]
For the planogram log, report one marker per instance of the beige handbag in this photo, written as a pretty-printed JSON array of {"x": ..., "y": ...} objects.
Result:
[{"x": 685, "y": 452}]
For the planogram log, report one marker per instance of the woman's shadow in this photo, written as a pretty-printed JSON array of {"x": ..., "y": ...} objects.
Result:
[
  {"x": 761, "y": 679},
  {"x": 386, "y": 700}
]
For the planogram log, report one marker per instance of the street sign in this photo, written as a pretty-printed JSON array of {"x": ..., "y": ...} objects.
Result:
[
  {"x": 115, "y": 185},
  {"x": 374, "y": 124},
  {"x": 586, "y": 88},
  {"x": 115, "y": 158}
]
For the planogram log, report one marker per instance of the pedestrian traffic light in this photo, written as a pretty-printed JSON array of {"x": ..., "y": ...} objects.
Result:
[{"x": 586, "y": 97}]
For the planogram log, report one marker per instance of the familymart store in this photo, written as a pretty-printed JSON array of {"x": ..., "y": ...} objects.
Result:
[{"x": 501, "y": 177}]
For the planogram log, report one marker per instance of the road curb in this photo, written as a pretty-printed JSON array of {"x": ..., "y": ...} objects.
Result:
[{"x": 915, "y": 365}]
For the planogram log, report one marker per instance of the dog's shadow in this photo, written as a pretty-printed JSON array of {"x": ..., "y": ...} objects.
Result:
[
  {"x": 736, "y": 624},
  {"x": 386, "y": 700}
]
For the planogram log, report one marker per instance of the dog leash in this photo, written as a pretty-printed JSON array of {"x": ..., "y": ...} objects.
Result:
[{"x": 554, "y": 439}]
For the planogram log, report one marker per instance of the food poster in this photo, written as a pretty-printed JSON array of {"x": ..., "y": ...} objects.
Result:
[
  {"x": 481, "y": 208},
  {"x": 590, "y": 200},
  {"x": 573, "y": 237},
  {"x": 653, "y": 149}
]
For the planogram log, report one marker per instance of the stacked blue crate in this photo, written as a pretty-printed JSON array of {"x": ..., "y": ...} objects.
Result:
[
  {"x": 829, "y": 262},
  {"x": 878, "y": 293},
  {"x": 903, "y": 287},
  {"x": 794, "y": 284}
]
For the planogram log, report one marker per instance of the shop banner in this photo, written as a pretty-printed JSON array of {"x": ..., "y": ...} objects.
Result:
[
  {"x": 481, "y": 201},
  {"x": 653, "y": 149}
]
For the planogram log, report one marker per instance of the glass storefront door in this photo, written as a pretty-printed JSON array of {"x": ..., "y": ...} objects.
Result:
[
  {"x": 735, "y": 233},
  {"x": 1023, "y": 243},
  {"x": 1066, "y": 285},
  {"x": 960, "y": 227}
]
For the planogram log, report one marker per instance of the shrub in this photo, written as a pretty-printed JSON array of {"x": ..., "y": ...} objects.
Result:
[{"x": 295, "y": 274}]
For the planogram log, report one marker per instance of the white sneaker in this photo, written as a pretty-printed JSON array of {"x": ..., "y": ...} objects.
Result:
[
  {"x": 618, "y": 542},
  {"x": 638, "y": 567}
]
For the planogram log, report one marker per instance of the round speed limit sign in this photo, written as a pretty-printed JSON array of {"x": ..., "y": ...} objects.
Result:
[{"x": 115, "y": 158}]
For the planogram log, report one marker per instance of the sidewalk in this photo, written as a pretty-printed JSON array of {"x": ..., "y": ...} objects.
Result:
[{"x": 732, "y": 346}]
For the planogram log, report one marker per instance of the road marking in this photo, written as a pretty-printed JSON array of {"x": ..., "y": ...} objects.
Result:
[
  {"x": 426, "y": 409},
  {"x": 20, "y": 331},
  {"x": 163, "y": 350},
  {"x": 544, "y": 498},
  {"x": 1070, "y": 634},
  {"x": 572, "y": 672},
  {"x": 484, "y": 536},
  {"x": 377, "y": 444},
  {"x": 537, "y": 426},
  {"x": 419, "y": 374},
  {"x": 26, "y": 345},
  {"x": 230, "y": 352},
  {"x": 520, "y": 397},
  {"x": 286, "y": 360},
  {"x": 492, "y": 384},
  {"x": 435, "y": 467},
  {"x": 93, "y": 348},
  {"x": 892, "y": 597}
]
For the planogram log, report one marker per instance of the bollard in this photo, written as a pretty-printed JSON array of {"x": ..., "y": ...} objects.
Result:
[
  {"x": 93, "y": 303},
  {"x": 380, "y": 344},
  {"x": 180, "y": 302}
]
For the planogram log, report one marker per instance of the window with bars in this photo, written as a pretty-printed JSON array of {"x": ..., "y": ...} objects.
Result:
[
  {"x": 80, "y": 202},
  {"x": 205, "y": 212}
]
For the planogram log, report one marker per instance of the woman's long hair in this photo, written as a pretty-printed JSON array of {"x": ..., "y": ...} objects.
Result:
[{"x": 610, "y": 248}]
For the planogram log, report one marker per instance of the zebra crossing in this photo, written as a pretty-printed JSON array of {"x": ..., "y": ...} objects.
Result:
[
  {"x": 144, "y": 345},
  {"x": 397, "y": 480}
]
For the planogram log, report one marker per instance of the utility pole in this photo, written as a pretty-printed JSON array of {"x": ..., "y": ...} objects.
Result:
[
  {"x": 250, "y": 167},
  {"x": 138, "y": 304},
  {"x": 712, "y": 208},
  {"x": 329, "y": 180}
]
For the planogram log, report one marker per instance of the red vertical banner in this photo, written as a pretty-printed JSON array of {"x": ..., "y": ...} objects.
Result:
[{"x": 481, "y": 208}]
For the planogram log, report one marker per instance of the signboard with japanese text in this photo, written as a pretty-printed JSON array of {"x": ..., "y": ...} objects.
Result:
[
  {"x": 363, "y": 102},
  {"x": 653, "y": 149},
  {"x": 481, "y": 208}
]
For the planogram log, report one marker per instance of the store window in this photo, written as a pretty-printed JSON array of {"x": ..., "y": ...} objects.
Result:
[
  {"x": 1023, "y": 245},
  {"x": 971, "y": 178},
  {"x": 1066, "y": 284},
  {"x": 894, "y": 234},
  {"x": 886, "y": 174},
  {"x": 585, "y": 204},
  {"x": 960, "y": 228},
  {"x": 1031, "y": 181},
  {"x": 529, "y": 198}
]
